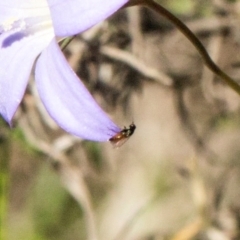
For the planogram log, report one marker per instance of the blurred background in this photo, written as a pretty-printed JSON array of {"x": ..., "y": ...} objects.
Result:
[{"x": 177, "y": 178}]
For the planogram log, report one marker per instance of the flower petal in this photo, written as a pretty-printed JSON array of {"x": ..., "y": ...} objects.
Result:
[
  {"x": 68, "y": 101},
  {"x": 16, "y": 9},
  {"x": 18, "y": 51},
  {"x": 75, "y": 16}
]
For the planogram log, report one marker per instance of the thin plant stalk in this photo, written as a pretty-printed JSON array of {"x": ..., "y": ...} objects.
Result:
[{"x": 191, "y": 37}]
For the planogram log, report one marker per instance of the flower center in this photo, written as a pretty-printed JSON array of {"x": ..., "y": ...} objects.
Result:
[
  {"x": 22, "y": 28},
  {"x": 27, "y": 21}
]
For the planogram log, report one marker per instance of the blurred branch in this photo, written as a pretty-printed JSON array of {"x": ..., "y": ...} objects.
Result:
[
  {"x": 191, "y": 37},
  {"x": 135, "y": 217},
  {"x": 207, "y": 81},
  {"x": 189, "y": 128},
  {"x": 199, "y": 197},
  {"x": 135, "y": 31},
  {"x": 137, "y": 65},
  {"x": 210, "y": 25},
  {"x": 70, "y": 175},
  {"x": 74, "y": 182}
]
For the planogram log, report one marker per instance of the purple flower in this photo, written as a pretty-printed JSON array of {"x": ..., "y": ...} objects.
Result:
[{"x": 28, "y": 28}]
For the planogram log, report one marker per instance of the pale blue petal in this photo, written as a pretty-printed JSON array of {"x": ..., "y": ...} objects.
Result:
[
  {"x": 22, "y": 4},
  {"x": 17, "y": 9},
  {"x": 68, "y": 101},
  {"x": 75, "y": 16},
  {"x": 17, "y": 55}
]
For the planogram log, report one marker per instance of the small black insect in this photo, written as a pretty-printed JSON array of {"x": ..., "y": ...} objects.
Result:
[{"x": 120, "y": 138}]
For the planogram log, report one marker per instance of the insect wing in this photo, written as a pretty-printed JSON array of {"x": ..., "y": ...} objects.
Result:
[{"x": 118, "y": 142}]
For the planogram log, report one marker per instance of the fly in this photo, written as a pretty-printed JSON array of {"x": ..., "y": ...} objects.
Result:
[{"x": 120, "y": 138}]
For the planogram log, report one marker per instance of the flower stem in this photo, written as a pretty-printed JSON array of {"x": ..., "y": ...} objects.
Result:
[
  {"x": 191, "y": 37},
  {"x": 65, "y": 42}
]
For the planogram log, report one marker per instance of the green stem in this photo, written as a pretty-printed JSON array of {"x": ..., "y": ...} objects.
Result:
[
  {"x": 191, "y": 37},
  {"x": 65, "y": 42}
]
